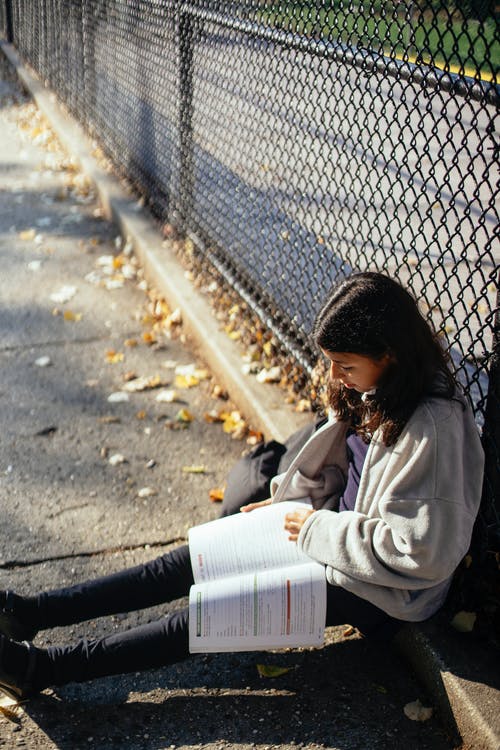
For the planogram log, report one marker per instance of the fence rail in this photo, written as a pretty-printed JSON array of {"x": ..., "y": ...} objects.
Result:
[{"x": 297, "y": 141}]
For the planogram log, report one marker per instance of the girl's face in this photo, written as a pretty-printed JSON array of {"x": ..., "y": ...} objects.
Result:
[{"x": 356, "y": 370}]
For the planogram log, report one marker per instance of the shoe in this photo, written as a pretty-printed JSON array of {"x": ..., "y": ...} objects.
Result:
[
  {"x": 17, "y": 686},
  {"x": 10, "y": 625}
]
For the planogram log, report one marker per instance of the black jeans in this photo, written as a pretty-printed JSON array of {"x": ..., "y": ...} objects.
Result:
[{"x": 163, "y": 641}]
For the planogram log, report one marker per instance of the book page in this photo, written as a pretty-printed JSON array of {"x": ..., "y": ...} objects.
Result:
[
  {"x": 244, "y": 542},
  {"x": 268, "y": 609}
]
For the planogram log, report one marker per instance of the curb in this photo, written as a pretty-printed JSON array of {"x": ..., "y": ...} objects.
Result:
[{"x": 468, "y": 708}]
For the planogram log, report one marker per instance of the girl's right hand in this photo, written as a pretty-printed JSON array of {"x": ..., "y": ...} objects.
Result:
[{"x": 254, "y": 506}]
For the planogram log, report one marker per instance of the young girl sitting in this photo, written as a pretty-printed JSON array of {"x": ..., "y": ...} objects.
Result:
[{"x": 394, "y": 479}]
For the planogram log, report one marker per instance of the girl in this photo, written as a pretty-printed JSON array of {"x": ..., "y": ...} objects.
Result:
[{"x": 394, "y": 479}]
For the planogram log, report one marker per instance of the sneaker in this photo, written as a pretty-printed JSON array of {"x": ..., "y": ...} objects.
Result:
[
  {"x": 16, "y": 686},
  {"x": 10, "y": 625}
]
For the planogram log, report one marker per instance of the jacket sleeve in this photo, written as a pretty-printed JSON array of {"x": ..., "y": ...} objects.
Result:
[{"x": 414, "y": 531}]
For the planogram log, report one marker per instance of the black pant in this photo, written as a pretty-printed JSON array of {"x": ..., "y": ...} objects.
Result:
[{"x": 158, "y": 643}]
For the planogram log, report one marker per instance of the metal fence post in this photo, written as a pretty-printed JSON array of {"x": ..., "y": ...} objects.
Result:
[
  {"x": 9, "y": 24},
  {"x": 186, "y": 175},
  {"x": 491, "y": 442}
]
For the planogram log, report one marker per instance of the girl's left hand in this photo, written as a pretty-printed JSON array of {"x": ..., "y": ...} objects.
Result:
[{"x": 294, "y": 522}]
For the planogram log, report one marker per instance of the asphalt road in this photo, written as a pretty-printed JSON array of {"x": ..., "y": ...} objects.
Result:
[{"x": 68, "y": 513}]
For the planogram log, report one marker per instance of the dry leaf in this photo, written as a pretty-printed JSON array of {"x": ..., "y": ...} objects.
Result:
[
  {"x": 269, "y": 376},
  {"x": 270, "y": 670},
  {"x": 110, "y": 419},
  {"x": 130, "y": 342},
  {"x": 43, "y": 361},
  {"x": 64, "y": 294},
  {"x": 214, "y": 416},
  {"x": 216, "y": 495},
  {"x": 194, "y": 469},
  {"x": 146, "y": 492},
  {"x": 183, "y": 415},
  {"x": 167, "y": 397},
  {"x": 113, "y": 357},
  {"x": 72, "y": 317},
  {"x": 186, "y": 381},
  {"x": 148, "y": 337},
  {"x": 117, "y": 458},
  {"x": 117, "y": 397},
  {"x": 143, "y": 384},
  {"x": 417, "y": 712},
  {"x": 27, "y": 234}
]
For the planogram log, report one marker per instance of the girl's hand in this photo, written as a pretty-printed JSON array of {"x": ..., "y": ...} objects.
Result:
[
  {"x": 294, "y": 522},
  {"x": 253, "y": 506}
]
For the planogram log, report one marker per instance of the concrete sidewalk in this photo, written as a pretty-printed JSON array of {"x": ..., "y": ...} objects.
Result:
[{"x": 71, "y": 514}]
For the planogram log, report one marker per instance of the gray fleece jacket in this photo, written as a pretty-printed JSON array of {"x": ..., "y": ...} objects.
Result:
[{"x": 415, "y": 508}]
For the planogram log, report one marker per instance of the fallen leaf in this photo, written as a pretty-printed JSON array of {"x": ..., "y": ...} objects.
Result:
[
  {"x": 254, "y": 437},
  {"x": 186, "y": 381},
  {"x": 27, "y": 234},
  {"x": 43, "y": 361},
  {"x": 417, "y": 712},
  {"x": 64, "y": 294},
  {"x": 117, "y": 397},
  {"x": 194, "y": 469},
  {"x": 167, "y": 397},
  {"x": 146, "y": 492},
  {"x": 273, "y": 375},
  {"x": 72, "y": 317},
  {"x": 216, "y": 495},
  {"x": 183, "y": 415},
  {"x": 110, "y": 419},
  {"x": 214, "y": 416},
  {"x": 141, "y": 414},
  {"x": 148, "y": 337},
  {"x": 113, "y": 357},
  {"x": 143, "y": 384},
  {"x": 130, "y": 342},
  {"x": 271, "y": 670},
  {"x": 117, "y": 458},
  {"x": 464, "y": 621}
]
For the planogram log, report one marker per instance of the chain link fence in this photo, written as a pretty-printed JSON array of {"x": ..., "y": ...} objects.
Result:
[{"x": 294, "y": 142}]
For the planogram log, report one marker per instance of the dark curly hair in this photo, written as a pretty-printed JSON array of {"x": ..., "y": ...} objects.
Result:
[{"x": 372, "y": 315}]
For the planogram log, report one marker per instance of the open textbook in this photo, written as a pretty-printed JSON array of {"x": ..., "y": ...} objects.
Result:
[{"x": 254, "y": 589}]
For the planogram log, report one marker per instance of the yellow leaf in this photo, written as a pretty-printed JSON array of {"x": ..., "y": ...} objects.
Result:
[
  {"x": 216, "y": 495},
  {"x": 183, "y": 415},
  {"x": 130, "y": 342},
  {"x": 186, "y": 381},
  {"x": 270, "y": 670},
  {"x": 113, "y": 357},
  {"x": 141, "y": 415},
  {"x": 148, "y": 337},
  {"x": 72, "y": 317},
  {"x": 194, "y": 469},
  {"x": 27, "y": 234},
  {"x": 268, "y": 348}
]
